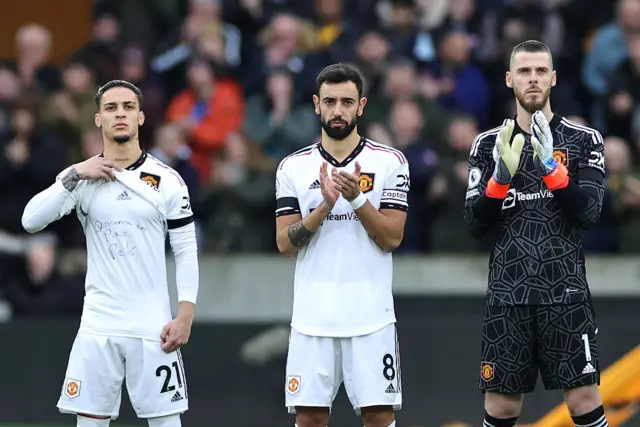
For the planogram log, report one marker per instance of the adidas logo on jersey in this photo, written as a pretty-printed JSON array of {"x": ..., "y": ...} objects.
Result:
[
  {"x": 390, "y": 389},
  {"x": 123, "y": 196},
  {"x": 177, "y": 397},
  {"x": 315, "y": 185},
  {"x": 589, "y": 369}
]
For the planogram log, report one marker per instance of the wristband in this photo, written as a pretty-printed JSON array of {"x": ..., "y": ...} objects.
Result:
[
  {"x": 557, "y": 179},
  {"x": 495, "y": 190},
  {"x": 359, "y": 201}
]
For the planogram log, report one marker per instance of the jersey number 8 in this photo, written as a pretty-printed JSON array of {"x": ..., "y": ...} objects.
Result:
[
  {"x": 388, "y": 370},
  {"x": 167, "y": 377}
]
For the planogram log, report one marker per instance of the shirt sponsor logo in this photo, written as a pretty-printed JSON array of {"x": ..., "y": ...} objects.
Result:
[
  {"x": 348, "y": 216},
  {"x": 514, "y": 196}
]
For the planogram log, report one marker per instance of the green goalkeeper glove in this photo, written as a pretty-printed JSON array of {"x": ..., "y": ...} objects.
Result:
[{"x": 507, "y": 155}]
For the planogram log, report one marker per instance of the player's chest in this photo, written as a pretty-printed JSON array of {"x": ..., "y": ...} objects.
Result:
[
  {"x": 115, "y": 202},
  {"x": 565, "y": 153},
  {"x": 309, "y": 188}
]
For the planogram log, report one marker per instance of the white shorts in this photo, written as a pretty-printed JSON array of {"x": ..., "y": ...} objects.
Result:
[
  {"x": 99, "y": 364},
  {"x": 369, "y": 365}
]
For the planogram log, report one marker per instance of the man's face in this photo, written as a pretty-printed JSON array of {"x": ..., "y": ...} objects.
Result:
[
  {"x": 77, "y": 78},
  {"x": 531, "y": 78},
  {"x": 400, "y": 82},
  {"x": 119, "y": 115},
  {"x": 339, "y": 106},
  {"x": 199, "y": 74}
]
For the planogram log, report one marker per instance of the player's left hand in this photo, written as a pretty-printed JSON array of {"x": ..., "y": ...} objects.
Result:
[
  {"x": 175, "y": 334},
  {"x": 542, "y": 142},
  {"x": 348, "y": 184}
]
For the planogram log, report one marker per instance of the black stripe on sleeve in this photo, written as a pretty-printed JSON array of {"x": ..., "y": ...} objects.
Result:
[
  {"x": 394, "y": 206},
  {"x": 287, "y": 206},
  {"x": 181, "y": 222}
]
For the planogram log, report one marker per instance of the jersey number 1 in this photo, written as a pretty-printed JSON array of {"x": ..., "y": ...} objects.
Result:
[
  {"x": 587, "y": 349},
  {"x": 167, "y": 377}
]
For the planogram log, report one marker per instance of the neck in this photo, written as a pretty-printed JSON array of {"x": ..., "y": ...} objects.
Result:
[
  {"x": 123, "y": 155},
  {"x": 339, "y": 150},
  {"x": 524, "y": 118},
  {"x": 205, "y": 92}
]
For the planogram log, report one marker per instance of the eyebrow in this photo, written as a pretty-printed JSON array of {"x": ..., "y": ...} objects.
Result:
[
  {"x": 542, "y": 67},
  {"x": 112, "y": 103},
  {"x": 331, "y": 98}
]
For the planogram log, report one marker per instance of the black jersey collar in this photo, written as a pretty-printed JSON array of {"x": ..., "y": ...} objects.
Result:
[
  {"x": 135, "y": 165},
  {"x": 332, "y": 160},
  {"x": 553, "y": 124}
]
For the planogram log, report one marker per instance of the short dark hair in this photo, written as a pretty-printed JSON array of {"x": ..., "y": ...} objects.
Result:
[
  {"x": 340, "y": 73},
  {"x": 117, "y": 83},
  {"x": 531, "y": 46}
]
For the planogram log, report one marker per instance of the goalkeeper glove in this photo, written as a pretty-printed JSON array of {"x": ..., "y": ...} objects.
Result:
[
  {"x": 554, "y": 174},
  {"x": 506, "y": 155},
  {"x": 542, "y": 142}
]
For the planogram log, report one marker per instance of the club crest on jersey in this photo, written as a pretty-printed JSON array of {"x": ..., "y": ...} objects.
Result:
[
  {"x": 152, "y": 180},
  {"x": 561, "y": 155},
  {"x": 366, "y": 182},
  {"x": 487, "y": 371}
]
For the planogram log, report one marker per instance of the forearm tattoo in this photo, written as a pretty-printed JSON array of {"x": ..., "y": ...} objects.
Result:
[
  {"x": 298, "y": 234},
  {"x": 71, "y": 179}
]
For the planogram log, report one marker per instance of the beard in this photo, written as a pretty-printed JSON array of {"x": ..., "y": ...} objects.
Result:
[
  {"x": 531, "y": 106},
  {"x": 338, "y": 133},
  {"x": 121, "y": 139}
]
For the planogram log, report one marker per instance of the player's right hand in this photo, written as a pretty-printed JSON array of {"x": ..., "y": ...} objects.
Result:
[
  {"x": 507, "y": 155},
  {"x": 329, "y": 193},
  {"x": 97, "y": 168}
]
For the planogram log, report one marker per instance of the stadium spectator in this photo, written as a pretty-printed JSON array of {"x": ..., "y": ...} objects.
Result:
[{"x": 207, "y": 111}]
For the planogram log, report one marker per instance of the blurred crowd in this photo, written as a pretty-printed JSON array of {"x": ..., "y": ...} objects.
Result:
[{"x": 227, "y": 90}]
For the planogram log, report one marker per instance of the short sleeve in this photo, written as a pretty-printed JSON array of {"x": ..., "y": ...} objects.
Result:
[
  {"x": 395, "y": 194},
  {"x": 179, "y": 212},
  {"x": 592, "y": 152},
  {"x": 286, "y": 197}
]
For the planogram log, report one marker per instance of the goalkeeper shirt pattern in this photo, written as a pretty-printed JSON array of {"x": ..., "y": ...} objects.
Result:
[{"x": 537, "y": 256}]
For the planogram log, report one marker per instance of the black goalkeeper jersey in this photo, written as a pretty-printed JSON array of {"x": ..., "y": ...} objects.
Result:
[{"x": 537, "y": 256}]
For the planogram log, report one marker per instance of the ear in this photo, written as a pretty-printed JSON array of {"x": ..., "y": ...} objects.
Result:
[
  {"x": 141, "y": 118},
  {"x": 508, "y": 81},
  {"x": 316, "y": 104},
  {"x": 553, "y": 78},
  {"x": 363, "y": 102},
  {"x": 96, "y": 119}
]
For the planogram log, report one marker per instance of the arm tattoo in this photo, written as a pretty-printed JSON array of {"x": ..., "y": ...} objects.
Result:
[
  {"x": 298, "y": 234},
  {"x": 71, "y": 179}
]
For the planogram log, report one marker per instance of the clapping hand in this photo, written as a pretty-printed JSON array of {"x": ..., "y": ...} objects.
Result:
[
  {"x": 348, "y": 184},
  {"x": 542, "y": 142}
]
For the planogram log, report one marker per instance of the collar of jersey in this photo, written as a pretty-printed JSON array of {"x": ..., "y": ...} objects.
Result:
[
  {"x": 135, "y": 165},
  {"x": 553, "y": 124},
  {"x": 335, "y": 163}
]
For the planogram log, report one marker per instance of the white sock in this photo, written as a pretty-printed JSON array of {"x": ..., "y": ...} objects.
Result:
[
  {"x": 93, "y": 422},
  {"x": 168, "y": 421}
]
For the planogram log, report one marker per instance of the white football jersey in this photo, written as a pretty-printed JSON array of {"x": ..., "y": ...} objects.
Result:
[
  {"x": 126, "y": 222},
  {"x": 343, "y": 280}
]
